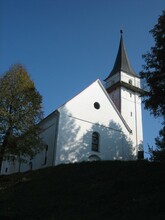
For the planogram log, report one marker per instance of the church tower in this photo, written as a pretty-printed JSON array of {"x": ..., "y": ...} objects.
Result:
[{"x": 123, "y": 87}]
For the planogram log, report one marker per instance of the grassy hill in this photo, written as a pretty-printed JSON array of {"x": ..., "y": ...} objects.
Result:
[{"x": 86, "y": 191}]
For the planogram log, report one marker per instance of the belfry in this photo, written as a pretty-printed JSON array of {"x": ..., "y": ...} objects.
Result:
[{"x": 123, "y": 87}]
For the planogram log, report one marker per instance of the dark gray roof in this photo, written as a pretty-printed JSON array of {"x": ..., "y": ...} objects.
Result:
[{"x": 122, "y": 62}]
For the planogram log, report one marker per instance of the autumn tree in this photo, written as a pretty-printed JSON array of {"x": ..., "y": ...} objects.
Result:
[
  {"x": 154, "y": 75},
  {"x": 20, "y": 113}
]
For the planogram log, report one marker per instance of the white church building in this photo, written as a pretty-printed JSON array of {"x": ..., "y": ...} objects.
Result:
[{"x": 103, "y": 122}]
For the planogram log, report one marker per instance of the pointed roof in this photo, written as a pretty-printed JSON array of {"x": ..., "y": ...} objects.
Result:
[
  {"x": 122, "y": 62},
  {"x": 57, "y": 112}
]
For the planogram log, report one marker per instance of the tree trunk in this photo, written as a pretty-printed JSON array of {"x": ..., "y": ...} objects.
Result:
[
  {"x": 3, "y": 147},
  {"x": 2, "y": 150}
]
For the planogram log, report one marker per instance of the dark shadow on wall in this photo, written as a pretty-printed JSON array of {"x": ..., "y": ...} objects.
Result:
[
  {"x": 113, "y": 143},
  {"x": 75, "y": 143},
  {"x": 121, "y": 147},
  {"x": 68, "y": 141}
]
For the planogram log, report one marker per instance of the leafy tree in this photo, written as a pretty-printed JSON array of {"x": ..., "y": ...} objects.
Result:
[
  {"x": 20, "y": 113},
  {"x": 154, "y": 75},
  {"x": 159, "y": 153}
]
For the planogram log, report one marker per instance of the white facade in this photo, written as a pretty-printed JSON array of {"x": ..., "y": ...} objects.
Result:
[
  {"x": 97, "y": 124},
  {"x": 79, "y": 119},
  {"x": 128, "y": 101},
  {"x": 68, "y": 132}
]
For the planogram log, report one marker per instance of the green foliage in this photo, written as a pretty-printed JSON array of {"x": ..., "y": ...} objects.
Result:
[
  {"x": 154, "y": 75},
  {"x": 154, "y": 70},
  {"x": 20, "y": 112},
  {"x": 159, "y": 153}
]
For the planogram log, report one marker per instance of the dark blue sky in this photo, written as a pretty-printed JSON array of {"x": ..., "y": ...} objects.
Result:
[{"x": 67, "y": 44}]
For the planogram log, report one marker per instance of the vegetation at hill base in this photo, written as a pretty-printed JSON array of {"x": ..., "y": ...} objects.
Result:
[{"x": 86, "y": 191}]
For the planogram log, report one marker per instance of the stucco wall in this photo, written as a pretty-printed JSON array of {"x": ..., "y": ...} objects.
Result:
[
  {"x": 79, "y": 119},
  {"x": 49, "y": 126},
  {"x": 129, "y": 104},
  {"x": 126, "y": 78},
  {"x": 68, "y": 131},
  {"x": 115, "y": 96},
  {"x": 112, "y": 80},
  {"x": 131, "y": 111}
]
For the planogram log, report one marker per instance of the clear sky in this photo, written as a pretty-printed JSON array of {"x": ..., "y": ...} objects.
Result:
[{"x": 67, "y": 44}]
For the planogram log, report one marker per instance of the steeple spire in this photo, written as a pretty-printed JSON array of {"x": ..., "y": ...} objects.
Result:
[{"x": 122, "y": 62}]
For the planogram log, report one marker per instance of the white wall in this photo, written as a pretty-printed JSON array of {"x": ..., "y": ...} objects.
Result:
[
  {"x": 79, "y": 119},
  {"x": 112, "y": 80},
  {"x": 49, "y": 135},
  {"x": 128, "y": 103},
  {"x": 69, "y": 133},
  {"x": 49, "y": 126},
  {"x": 115, "y": 95},
  {"x": 126, "y": 77},
  {"x": 9, "y": 167},
  {"x": 131, "y": 110}
]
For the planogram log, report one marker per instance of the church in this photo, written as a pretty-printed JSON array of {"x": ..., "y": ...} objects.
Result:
[{"x": 102, "y": 122}]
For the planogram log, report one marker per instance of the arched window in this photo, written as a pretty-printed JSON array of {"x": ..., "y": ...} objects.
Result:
[
  {"x": 95, "y": 141},
  {"x": 93, "y": 158}
]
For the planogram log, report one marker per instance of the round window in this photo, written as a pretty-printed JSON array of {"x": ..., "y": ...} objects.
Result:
[{"x": 96, "y": 105}]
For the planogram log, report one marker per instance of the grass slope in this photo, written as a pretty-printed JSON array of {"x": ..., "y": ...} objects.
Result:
[{"x": 96, "y": 190}]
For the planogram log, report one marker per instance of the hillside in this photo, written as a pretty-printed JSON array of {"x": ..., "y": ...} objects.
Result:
[{"x": 86, "y": 191}]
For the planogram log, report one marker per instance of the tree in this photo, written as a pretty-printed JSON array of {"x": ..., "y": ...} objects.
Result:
[
  {"x": 154, "y": 75},
  {"x": 20, "y": 113},
  {"x": 159, "y": 153}
]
